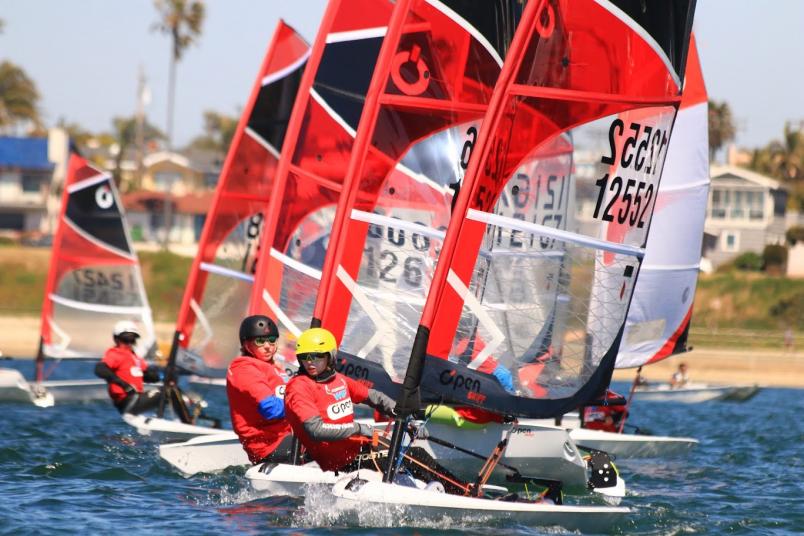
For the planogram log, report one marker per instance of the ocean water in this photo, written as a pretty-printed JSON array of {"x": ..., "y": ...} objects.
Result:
[{"x": 80, "y": 469}]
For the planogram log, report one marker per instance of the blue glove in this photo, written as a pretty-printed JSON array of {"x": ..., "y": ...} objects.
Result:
[
  {"x": 503, "y": 376},
  {"x": 272, "y": 407}
]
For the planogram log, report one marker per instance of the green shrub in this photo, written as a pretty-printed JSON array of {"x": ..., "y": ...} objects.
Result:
[
  {"x": 794, "y": 235},
  {"x": 749, "y": 262},
  {"x": 774, "y": 255}
]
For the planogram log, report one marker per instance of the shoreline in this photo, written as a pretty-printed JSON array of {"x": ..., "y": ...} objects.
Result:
[{"x": 19, "y": 338}]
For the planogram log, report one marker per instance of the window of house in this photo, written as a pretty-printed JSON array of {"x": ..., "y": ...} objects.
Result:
[
  {"x": 756, "y": 206},
  {"x": 32, "y": 181},
  {"x": 717, "y": 211},
  {"x": 164, "y": 180},
  {"x": 730, "y": 241}
]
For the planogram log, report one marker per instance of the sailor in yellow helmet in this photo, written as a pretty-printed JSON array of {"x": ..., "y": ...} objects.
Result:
[{"x": 319, "y": 403}]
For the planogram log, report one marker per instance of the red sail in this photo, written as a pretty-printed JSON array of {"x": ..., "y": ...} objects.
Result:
[
  {"x": 94, "y": 279},
  {"x": 313, "y": 162},
  {"x": 216, "y": 296},
  {"x": 431, "y": 88},
  {"x": 609, "y": 76}
]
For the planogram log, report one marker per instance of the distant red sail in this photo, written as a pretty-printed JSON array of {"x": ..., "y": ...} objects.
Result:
[
  {"x": 220, "y": 280},
  {"x": 313, "y": 162},
  {"x": 94, "y": 278}
]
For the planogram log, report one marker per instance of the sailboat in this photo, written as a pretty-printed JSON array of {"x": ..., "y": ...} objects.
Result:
[
  {"x": 406, "y": 165},
  {"x": 659, "y": 316},
  {"x": 562, "y": 76},
  {"x": 659, "y": 319},
  {"x": 218, "y": 287},
  {"x": 93, "y": 282}
]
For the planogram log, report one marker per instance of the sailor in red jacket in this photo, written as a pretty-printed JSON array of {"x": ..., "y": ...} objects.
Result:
[
  {"x": 255, "y": 385},
  {"x": 319, "y": 403},
  {"x": 125, "y": 371}
]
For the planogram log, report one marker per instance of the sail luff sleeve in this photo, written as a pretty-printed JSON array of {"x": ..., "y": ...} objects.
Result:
[
  {"x": 363, "y": 136},
  {"x": 197, "y": 279}
]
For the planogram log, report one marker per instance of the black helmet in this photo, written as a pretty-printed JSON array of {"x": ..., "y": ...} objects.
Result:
[{"x": 257, "y": 326}]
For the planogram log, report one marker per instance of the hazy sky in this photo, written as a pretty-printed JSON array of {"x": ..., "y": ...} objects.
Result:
[{"x": 84, "y": 57}]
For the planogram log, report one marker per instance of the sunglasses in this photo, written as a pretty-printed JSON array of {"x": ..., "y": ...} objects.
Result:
[
  {"x": 312, "y": 356},
  {"x": 259, "y": 341}
]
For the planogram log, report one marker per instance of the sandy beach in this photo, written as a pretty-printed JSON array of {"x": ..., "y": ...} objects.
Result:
[{"x": 19, "y": 337}]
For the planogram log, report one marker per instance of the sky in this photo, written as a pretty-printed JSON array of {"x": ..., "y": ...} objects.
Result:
[{"x": 84, "y": 57}]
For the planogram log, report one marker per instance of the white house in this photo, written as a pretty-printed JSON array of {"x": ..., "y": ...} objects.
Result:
[{"x": 746, "y": 212}]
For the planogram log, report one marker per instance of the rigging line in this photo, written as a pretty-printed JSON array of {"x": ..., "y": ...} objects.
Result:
[
  {"x": 280, "y": 314},
  {"x": 469, "y": 299},
  {"x": 383, "y": 327},
  {"x": 202, "y": 318}
]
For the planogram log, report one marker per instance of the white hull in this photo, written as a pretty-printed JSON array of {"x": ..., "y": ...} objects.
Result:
[
  {"x": 14, "y": 388},
  {"x": 620, "y": 445},
  {"x": 287, "y": 480},
  {"x": 695, "y": 393},
  {"x": 414, "y": 506},
  {"x": 202, "y": 380},
  {"x": 536, "y": 450},
  {"x": 167, "y": 429},
  {"x": 205, "y": 454}
]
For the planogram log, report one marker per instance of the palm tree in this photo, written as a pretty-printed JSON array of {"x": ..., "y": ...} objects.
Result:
[
  {"x": 219, "y": 129},
  {"x": 721, "y": 126},
  {"x": 182, "y": 20},
  {"x": 124, "y": 135},
  {"x": 18, "y": 97}
]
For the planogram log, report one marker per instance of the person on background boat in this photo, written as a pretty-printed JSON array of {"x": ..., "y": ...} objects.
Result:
[
  {"x": 255, "y": 386},
  {"x": 607, "y": 416},
  {"x": 680, "y": 378},
  {"x": 126, "y": 372}
]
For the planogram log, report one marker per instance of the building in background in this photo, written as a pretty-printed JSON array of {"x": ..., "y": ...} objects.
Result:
[
  {"x": 32, "y": 172},
  {"x": 746, "y": 212}
]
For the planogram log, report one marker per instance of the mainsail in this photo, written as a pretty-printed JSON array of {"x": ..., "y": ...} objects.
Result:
[
  {"x": 220, "y": 281},
  {"x": 432, "y": 85},
  {"x": 310, "y": 172},
  {"x": 94, "y": 279},
  {"x": 661, "y": 309},
  {"x": 608, "y": 76}
]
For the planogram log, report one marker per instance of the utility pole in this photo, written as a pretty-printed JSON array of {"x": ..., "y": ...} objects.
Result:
[{"x": 143, "y": 99}]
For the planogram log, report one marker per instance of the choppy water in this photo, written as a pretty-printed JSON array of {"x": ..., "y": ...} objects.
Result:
[{"x": 80, "y": 469}]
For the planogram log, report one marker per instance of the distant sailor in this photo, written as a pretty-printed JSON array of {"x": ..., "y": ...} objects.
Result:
[
  {"x": 680, "y": 378},
  {"x": 255, "y": 385},
  {"x": 126, "y": 372}
]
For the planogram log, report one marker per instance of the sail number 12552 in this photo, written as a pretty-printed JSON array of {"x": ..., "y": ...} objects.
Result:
[{"x": 629, "y": 199}]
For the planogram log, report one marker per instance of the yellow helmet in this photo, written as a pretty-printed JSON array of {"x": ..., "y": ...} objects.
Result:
[{"x": 316, "y": 340}]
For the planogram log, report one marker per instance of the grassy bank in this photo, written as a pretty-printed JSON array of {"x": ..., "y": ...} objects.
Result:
[
  {"x": 736, "y": 309},
  {"x": 23, "y": 272}
]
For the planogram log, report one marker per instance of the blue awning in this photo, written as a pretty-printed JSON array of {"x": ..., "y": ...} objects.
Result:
[{"x": 24, "y": 153}]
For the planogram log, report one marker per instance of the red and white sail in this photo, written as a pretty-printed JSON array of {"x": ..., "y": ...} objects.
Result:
[
  {"x": 312, "y": 166},
  {"x": 607, "y": 76},
  {"x": 217, "y": 294},
  {"x": 94, "y": 279},
  {"x": 661, "y": 309},
  {"x": 431, "y": 88}
]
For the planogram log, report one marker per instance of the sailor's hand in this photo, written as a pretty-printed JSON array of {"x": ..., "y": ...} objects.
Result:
[
  {"x": 364, "y": 430},
  {"x": 418, "y": 431},
  {"x": 151, "y": 374}
]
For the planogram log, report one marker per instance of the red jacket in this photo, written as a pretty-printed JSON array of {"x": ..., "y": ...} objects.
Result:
[
  {"x": 128, "y": 366},
  {"x": 333, "y": 402},
  {"x": 249, "y": 383}
]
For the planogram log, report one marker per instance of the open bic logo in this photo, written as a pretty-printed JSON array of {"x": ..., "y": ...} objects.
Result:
[{"x": 339, "y": 410}]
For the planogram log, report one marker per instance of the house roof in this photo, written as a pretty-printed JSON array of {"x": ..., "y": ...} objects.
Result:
[
  {"x": 732, "y": 172},
  {"x": 146, "y": 201},
  {"x": 25, "y": 153}
]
